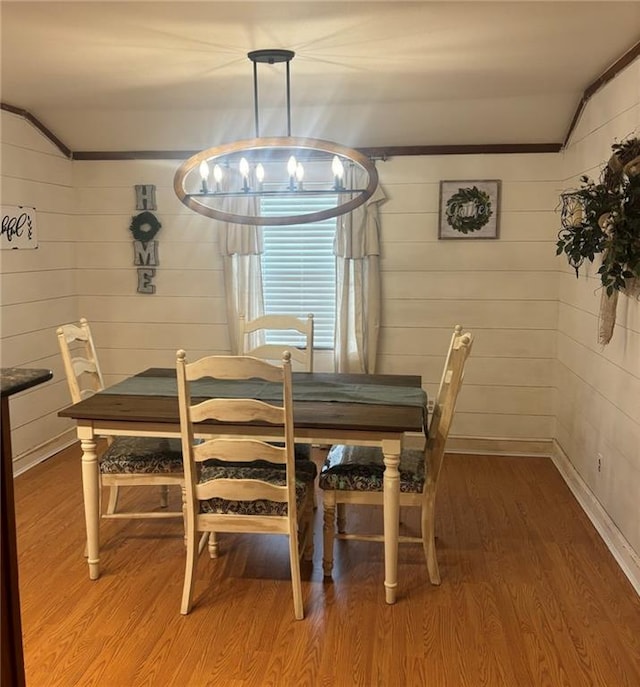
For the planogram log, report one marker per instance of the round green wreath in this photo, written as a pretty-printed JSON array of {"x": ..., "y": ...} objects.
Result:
[
  {"x": 139, "y": 221},
  {"x": 481, "y": 210}
]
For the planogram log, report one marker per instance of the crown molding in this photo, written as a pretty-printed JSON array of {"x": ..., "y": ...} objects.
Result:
[
  {"x": 620, "y": 64},
  {"x": 381, "y": 152}
]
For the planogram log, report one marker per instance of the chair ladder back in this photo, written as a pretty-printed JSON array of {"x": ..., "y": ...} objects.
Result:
[
  {"x": 238, "y": 451},
  {"x": 457, "y": 331},
  {"x": 232, "y": 449},
  {"x": 445, "y": 404},
  {"x": 266, "y": 351},
  {"x": 233, "y": 367},
  {"x": 84, "y": 376},
  {"x": 230, "y": 482},
  {"x": 236, "y": 410},
  {"x": 187, "y": 434}
]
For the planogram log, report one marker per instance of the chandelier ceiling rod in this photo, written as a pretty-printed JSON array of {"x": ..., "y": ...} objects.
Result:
[{"x": 271, "y": 56}]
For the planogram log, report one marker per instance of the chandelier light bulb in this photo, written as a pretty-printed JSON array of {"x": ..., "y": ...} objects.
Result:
[
  {"x": 338, "y": 171},
  {"x": 259, "y": 172},
  {"x": 244, "y": 170},
  {"x": 217, "y": 175},
  {"x": 204, "y": 175},
  {"x": 299, "y": 175},
  {"x": 291, "y": 169}
]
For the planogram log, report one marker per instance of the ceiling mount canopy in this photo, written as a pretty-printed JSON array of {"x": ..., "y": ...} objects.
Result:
[{"x": 338, "y": 177}]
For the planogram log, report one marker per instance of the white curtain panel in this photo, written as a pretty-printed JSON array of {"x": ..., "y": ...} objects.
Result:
[
  {"x": 241, "y": 247},
  {"x": 357, "y": 250},
  {"x": 243, "y": 289}
]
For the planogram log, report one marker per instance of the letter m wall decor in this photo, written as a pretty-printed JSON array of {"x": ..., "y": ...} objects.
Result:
[{"x": 144, "y": 228}]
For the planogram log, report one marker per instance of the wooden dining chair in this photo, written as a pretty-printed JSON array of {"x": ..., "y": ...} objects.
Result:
[
  {"x": 239, "y": 483},
  {"x": 355, "y": 474},
  {"x": 288, "y": 328},
  {"x": 126, "y": 461}
]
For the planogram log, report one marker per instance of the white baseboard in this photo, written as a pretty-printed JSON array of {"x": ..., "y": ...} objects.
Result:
[
  {"x": 490, "y": 446},
  {"x": 500, "y": 446},
  {"x": 40, "y": 453},
  {"x": 625, "y": 556}
]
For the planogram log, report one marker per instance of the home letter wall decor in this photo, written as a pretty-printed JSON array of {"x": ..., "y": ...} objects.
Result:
[
  {"x": 146, "y": 197},
  {"x": 144, "y": 228},
  {"x": 145, "y": 284}
]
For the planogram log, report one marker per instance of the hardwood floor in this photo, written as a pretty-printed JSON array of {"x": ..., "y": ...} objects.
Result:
[{"x": 530, "y": 596}]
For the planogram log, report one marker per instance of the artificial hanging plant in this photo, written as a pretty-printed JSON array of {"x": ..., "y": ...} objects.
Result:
[{"x": 604, "y": 218}]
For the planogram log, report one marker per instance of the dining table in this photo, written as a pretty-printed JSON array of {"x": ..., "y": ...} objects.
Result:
[{"x": 328, "y": 408}]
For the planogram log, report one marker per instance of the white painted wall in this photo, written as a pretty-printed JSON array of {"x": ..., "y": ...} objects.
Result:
[
  {"x": 599, "y": 387},
  {"x": 37, "y": 287},
  {"x": 503, "y": 290}
]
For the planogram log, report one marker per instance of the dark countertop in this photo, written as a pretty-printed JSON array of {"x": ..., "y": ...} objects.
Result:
[{"x": 15, "y": 379}]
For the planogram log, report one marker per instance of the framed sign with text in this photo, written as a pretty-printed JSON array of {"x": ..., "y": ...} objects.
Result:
[
  {"x": 469, "y": 209},
  {"x": 18, "y": 229}
]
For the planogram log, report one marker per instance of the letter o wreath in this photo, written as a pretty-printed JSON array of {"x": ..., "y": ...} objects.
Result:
[{"x": 139, "y": 221}]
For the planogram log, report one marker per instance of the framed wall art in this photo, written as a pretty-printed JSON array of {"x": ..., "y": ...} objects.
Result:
[
  {"x": 18, "y": 227},
  {"x": 469, "y": 209}
]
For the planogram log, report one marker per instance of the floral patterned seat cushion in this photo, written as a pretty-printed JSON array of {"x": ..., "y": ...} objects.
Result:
[
  {"x": 142, "y": 455},
  {"x": 306, "y": 472},
  {"x": 361, "y": 468}
]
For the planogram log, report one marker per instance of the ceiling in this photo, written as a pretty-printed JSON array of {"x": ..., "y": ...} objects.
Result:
[{"x": 175, "y": 75}]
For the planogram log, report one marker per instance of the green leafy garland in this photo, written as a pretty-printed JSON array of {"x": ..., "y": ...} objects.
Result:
[
  {"x": 607, "y": 220},
  {"x": 459, "y": 218}
]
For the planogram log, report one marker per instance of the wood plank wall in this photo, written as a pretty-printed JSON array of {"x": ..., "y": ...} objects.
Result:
[
  {"x": 599, "y": 387},
  {"x": 37, "y": 287},
  {"x": 505, "y": 290}
]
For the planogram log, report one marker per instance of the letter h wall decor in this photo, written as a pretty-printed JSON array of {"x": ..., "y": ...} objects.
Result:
[{"x": 144, "y": 228}]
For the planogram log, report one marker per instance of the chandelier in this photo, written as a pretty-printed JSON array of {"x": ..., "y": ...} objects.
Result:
[{"x": 228, "y": 181}]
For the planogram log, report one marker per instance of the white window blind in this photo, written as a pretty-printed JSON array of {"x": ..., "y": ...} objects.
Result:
[{"x": 298, "y": 267}]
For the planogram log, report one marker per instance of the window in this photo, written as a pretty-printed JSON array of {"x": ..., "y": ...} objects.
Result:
[{"x": 298, "y": 267}]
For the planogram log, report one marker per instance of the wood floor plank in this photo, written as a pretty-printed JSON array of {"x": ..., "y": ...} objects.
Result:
[{"x": 530, "y": 596}]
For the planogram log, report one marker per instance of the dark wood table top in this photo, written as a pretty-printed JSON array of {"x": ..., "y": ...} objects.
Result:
[{"x": 309, "y": 415}]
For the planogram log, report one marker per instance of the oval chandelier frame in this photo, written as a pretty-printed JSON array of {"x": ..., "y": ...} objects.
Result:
[{"x": 195, "y": 203}]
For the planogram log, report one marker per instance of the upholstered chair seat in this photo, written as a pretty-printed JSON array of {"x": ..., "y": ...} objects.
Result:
[
  {"x": 361, "y": 468},
  {"x": 354, "y": 475},
  {"x": 139, "y": 462},
  {"x": 237, "y": 483},
  {"x": 142, "y": 455}
]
